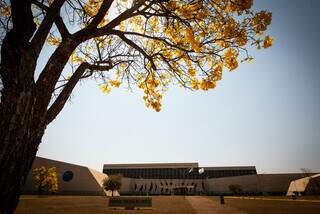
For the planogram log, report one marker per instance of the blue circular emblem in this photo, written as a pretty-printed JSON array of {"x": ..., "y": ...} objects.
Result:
[{"x": 67, "y": 176}]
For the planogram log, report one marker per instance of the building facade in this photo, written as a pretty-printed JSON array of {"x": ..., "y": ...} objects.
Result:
[
  {"x": 172, "y": 178},
  {"x": 72, "y": 179},
  {"x": 165, "y": 179}
]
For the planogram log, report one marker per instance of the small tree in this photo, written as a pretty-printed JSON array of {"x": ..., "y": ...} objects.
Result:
[
  {"x": 46, "y": 179},
  {"x": 112, "y": 183},
  {"x": 306, "y": 172},
  {"x": 235, "y": 189}
]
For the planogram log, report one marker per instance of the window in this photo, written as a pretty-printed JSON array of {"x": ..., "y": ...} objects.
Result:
[{"x": 67, "y": 176}]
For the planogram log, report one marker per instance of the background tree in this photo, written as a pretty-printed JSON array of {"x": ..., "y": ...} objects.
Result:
[
  {"x": 112, "y": 183},
  {"x": 235, "y": 189},
  {"x": 306, "y": 172},
  {"x": 46, "y": 179},
  {"x": 139, "y": 44}
]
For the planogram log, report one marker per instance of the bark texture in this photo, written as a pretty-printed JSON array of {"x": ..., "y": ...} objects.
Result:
[
  {"x": 22, "y": 108},
  {"x": 25, "y": 108},
  {"x": 21, "y": 123}
]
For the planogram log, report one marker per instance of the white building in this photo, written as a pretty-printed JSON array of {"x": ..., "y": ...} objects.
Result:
[{"x": 309, "y": 185}]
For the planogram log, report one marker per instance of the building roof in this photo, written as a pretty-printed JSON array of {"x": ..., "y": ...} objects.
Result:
[
  {"x": 150, "y": 165},
  {"x": 230, "y": 168},
  {"x": 173, "y": 165}
]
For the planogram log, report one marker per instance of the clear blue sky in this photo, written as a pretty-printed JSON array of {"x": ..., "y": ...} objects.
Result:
[{"x": 265, "y": 114}]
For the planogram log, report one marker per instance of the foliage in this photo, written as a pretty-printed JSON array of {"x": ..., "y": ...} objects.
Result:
[
  {"x": 306, "y": 172},
  {"x": 46, "y": 179},
  {"x": 112, "y": 183},
  {"x": 153, "y": 43},
  {"x": 235, "y": 189}
]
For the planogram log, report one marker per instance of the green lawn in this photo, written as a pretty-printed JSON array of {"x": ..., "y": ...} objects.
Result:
[
  {"x": 274, "y": 206},
  {"x": 96, "y": 205}
]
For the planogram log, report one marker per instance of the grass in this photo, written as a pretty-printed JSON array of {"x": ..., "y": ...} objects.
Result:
[
  {"x": 275, "y": 206},
  {"x": 163, "y": 204},
  {"x": 97, "y": 204}
]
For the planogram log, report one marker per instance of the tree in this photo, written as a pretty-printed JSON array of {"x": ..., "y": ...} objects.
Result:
[
  {"x": 306, "y": 172},
  {"x": 151, "y": 44},
  {"x": 235, "y": 189},
  {"x": 46, "y": 179},
  {"x": 112, "y": 183}
]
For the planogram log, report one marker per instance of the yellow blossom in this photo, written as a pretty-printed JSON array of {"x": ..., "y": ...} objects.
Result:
[
  {"x": 206, "y": 84},
  {"x": 115, "y": 83},
  {"x": 75, "y": 58},
  {"x": 53, "y": 40},
  {"x": 5, "y": 11},
  {"x": 230, "y": 59},
  {"x": 192, "y": 72},
  {"x": 267, "y": 42},
  {"x": 104, "y": 88},
  {"x": 194, "y": 84},
  {"x": 68, "y": 77}
]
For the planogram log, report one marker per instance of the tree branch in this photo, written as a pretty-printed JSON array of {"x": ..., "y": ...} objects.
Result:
[
  {"x": 89, "y": 33},
  {"x": 15, "y": 48},
  {"x": 58, "y": 21},
  {"x": 62, "y": 27},
  {"x": 58, "y": 104},
  {"x": 62, "y": 98},
  {"x": 135, "y": 46},
  {"x": 40, "y": 5},
  {"x": 106, "y": 4},
  {"x": 51, "y": 72},
  {"x": 162, "y": 39},
  {"x": 45, "y": 26},
  {"x": 22, "y": 19}
]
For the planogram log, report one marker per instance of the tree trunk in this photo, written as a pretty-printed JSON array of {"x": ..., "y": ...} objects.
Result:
[
  {"x": 24, "y": 103},
  {"x": 22, "y": 120},
  {"x": 21, "y": 131},
  {"x": 22, "y": 126}
]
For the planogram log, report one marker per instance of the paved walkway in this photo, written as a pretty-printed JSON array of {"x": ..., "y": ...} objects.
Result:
[{"x": 204, "y": 205}]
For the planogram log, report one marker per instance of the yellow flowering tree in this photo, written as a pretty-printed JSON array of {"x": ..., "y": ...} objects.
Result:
[
  {"x": 45, "y": 179},
  {"x": 146, "y": 45}
]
